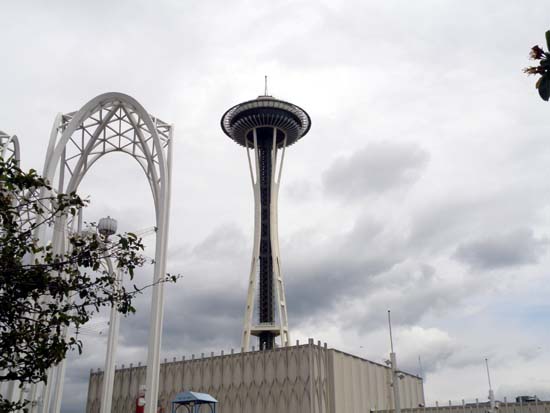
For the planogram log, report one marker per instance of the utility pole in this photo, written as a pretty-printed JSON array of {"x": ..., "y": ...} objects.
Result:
[{"x": 394, "y": 375}]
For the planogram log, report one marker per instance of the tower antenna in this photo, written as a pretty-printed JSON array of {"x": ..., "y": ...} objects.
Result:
[{"x": 265, "y": 85}]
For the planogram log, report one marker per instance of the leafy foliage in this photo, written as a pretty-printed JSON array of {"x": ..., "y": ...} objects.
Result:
[
  {"x": 543, "y": 69},
  {"x": 44, "y": 288}
]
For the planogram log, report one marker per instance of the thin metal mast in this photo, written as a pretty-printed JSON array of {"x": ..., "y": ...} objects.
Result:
[
  {"x": 491, "y": 393},
  {"x": 389, "y": 324},
  {"x": 420, "y": 368},
  {"x": 395, "y": 378},
  {"x": 488, "y": 374}
]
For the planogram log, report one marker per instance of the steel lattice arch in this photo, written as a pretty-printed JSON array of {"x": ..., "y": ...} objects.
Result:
[
  {"x": 9, "y": 147},
  {"x": 111, "y": 122}
]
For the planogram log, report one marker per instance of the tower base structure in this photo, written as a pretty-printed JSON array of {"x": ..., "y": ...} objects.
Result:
[{"x": 308, "y": 378}]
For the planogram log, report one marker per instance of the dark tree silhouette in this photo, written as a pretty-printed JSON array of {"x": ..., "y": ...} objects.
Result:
[{"x": 538, "y": 54}]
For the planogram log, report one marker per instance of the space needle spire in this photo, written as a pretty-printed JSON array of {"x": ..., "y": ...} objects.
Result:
[{"x": 265, "y": 127}]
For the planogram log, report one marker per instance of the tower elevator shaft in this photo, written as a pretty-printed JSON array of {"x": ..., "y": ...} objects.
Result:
[{"x": 266, "y": 293}]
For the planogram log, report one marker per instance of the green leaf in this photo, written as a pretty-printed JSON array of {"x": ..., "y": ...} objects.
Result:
[{"x": 544, "y": 87}]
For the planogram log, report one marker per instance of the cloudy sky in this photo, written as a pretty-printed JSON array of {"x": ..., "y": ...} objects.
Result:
[{"x": 422, "y": 186}]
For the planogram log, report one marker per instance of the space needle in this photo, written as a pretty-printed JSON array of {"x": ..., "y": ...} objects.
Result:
[{"x": 265, "y": 126}]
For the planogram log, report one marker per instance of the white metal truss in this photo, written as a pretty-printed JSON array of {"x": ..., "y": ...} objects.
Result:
[
  {"x": 9, "y": 147},
  {"x": 112, "y": 342},
  {"x": 113, "y": 122},
  {"x": 280, "y": 329}
]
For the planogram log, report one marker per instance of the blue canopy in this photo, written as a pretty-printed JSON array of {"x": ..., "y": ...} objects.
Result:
[{"x": 193, "y": 400}]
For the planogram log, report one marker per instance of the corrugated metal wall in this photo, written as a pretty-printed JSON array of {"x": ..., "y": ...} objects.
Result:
[
  {"x": 361, "y": 385},
  {"x": 298, "y": 379}
]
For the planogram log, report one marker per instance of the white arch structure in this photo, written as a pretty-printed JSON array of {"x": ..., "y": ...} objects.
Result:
[
  {"x": 9, "y": 147},
  {"x": 113, "y": 122}
]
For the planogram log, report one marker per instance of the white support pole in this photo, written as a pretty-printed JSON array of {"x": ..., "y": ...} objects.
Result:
[
  {"x": 59, "y": 382},
  {"x": 60, "y": 245},
  {"x": 13, "y": 391},
  {"x": 155, "y": 331},
  {"x": 56, "y": 373},
  {"x": 33, "y": 408},
  {"x": 284, "y": 321},
  {"x": 275, "y": 253},
  {"x": 274, "y": 155},
  {"x": 112, "y": 340},
  {"x": 282, "y": 160},
  {"x": 252, "y": 280},
  {"x": 62, "y": 366},
  {"x": 157, "y": 305},
  {"x": 47, "y": 391}
]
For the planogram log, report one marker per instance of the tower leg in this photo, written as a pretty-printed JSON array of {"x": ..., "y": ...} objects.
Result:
[
  {"x": 157, "y": 305},
  {"x": 277, "y": 273},
  {"x": 252, "y": 281}
]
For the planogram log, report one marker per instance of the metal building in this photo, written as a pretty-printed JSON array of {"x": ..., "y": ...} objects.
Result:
[{"x": 308, "y": 378}]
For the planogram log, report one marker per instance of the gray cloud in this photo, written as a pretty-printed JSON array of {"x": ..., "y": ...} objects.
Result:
[
  {"x": 433, "y": 346},
  {"x": 203, "y": 310},
  {"x": 300, "y": 190},
  {"x": 375, "y": 169},
  {"x": 226, "y": 241},
  {"x": 530, "y": 352},
  {"x": 510, "y": 249}
]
